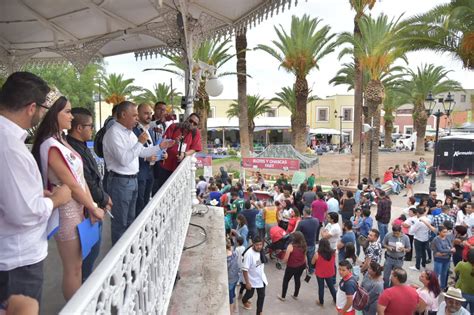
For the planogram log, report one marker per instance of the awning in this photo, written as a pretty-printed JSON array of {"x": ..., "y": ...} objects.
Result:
[
  {"x": 325, "y": 131},
  {"x": 261, "y": 123}
]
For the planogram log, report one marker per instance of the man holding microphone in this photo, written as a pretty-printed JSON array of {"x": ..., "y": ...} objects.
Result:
[{"x": 122, "y": 149}]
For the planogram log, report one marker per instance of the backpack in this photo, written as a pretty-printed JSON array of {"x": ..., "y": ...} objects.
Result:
[
  {"x": 361, "y": 298},
  {"x": 98, "y": 145}
]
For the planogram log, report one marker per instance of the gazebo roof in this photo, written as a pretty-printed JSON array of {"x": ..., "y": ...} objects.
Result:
[{"x": 80, "y": 30}]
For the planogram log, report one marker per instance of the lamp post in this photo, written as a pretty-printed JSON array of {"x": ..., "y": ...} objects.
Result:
[
  {"x": 340, "y": 129},
  {"x": 432, "y": 108}
]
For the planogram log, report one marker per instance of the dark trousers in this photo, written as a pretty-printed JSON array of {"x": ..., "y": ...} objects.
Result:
[
  {"x": 123, "y": 192},
  {"x": 289, "y": 273},
  {"x": 144, "y": 194},
  {"x": 25, "y": 280},
  {"x": 88, "y": 262},
  {"x": 421, "y": 248},
  {"x": 161, "y": 177},
  {"x": 260, "y": 297},
  {"x": 330, "y": 284},
  {"x": 409, "y": 255},
  {"x": 317, "y": 231}
]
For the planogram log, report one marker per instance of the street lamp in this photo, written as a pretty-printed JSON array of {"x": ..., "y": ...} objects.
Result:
[
  {"x": 340, "y": 129},
  {"x": 432, "y": 108}
]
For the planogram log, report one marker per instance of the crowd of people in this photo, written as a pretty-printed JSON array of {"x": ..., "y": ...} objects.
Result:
[
  {"x": 353, "y": 235},
  {"x": 55, "y": 187}
]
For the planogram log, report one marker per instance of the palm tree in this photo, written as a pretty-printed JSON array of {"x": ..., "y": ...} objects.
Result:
[
  {"x": 415, "y": 89},
  {"x": 300, "y": 52},
  {"x": 256, "y": 107},
  {"x": 393, "y": 100},
  {"x": 116, "y": 89},
  {"x": 360, "y": 7},
  {"x": 213, "y": 53},
  {"x": 445, "y": 28},
  {"x": 287, "y": 98},
  {"x": 241, "y": 49},
  {"x": 377, "y": 49},
  {"x": 161, "y": 92}
]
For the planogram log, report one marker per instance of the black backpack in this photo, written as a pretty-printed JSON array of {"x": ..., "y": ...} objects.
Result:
[{"x": 98, "y": 145}]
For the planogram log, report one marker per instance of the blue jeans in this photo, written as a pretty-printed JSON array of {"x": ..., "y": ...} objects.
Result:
[
  {"x": 469, "y": 301},
  {"x": 309, "y": 255},
  {"x": 123, "y": 192},
  {"x": 441, "y": 268},
  {"x": 88, "y": 262},
  {"x": 383, "y": 230},
  {"x": 144, "y": 194},
  {"x": 331, "y": 288},
  {"x": 232, "y": 292}
]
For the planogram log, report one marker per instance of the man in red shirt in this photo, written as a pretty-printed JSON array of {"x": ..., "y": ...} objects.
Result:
[
  {"x": 400, "y": 298},
  {"x": 188, "y": 142}
]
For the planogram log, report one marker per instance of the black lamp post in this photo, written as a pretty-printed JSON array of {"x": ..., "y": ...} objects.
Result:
[
  {"x": 340, "y": 129},
  {"x": 432, "y": 109}
]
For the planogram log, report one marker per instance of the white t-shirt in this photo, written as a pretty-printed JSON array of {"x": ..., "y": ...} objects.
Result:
[
  {"x": 460, "y": 217},
  {"x": 420, "y": 231},
  {"x": 429, "y": 298},
  {"x": 255, "y": 269},
  {"x": 335, "y": 230},
  {"x": 442, "y": 310}
]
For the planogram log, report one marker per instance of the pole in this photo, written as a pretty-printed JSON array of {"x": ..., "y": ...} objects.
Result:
[
  {"x": 340, "y": 134},
  {"x": 360, "y": 158},
  {"x": 438, "y": 115},
  {"x": 370, "y": 157},
  {"x": 100, "y": 105}
]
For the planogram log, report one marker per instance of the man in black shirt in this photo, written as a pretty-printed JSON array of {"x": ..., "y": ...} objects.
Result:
[
  {"x": 309, "y": 227},
  {"x": 81, "y": 131}
]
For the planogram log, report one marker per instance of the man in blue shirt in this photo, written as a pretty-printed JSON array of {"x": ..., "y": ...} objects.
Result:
[
  {"x": 348, "y": 236},
  {"x": 309, "y": 226}
]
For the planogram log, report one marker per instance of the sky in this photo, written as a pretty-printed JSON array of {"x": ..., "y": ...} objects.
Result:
[{"x": 266, "y": 79}]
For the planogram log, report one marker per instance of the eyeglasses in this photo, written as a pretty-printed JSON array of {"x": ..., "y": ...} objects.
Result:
[
  {"x": 41, "y": 105},
  {"x": 88, "y": 125}
]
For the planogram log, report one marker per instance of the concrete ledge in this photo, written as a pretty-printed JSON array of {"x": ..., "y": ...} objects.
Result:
[{"x": 203, "y": 287}]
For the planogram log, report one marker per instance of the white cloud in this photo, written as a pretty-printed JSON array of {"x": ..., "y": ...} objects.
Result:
[{"x": 268, "y": 79}]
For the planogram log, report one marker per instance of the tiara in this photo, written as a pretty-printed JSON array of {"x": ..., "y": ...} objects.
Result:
[{"x": 52, "y": 96}]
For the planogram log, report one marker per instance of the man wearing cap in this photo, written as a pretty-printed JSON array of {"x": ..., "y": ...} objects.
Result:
[{"x": 452, "y": 304}]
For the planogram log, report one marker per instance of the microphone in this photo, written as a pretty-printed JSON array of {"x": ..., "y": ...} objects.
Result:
[{"x": 142, "y": 131}]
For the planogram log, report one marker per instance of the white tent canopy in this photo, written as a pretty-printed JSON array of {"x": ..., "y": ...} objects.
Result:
[
  {"x": 325, "y": 131},
  {"x": 261, "y": 123},
  {"x": 78, "y": 31}
]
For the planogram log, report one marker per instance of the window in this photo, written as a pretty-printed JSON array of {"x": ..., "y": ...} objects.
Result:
[
  {"x": 396, "y": 129},
  {"x": 322, "y": 114},
  {"x": 463, "y": 98},
  {"x": 347, "y": 114},
  {"x": 408, "y": 130},
  {"x": 347, "y": 136},
  {"x": 212, "y": 113},
  {"x": 272, "y": 112}
]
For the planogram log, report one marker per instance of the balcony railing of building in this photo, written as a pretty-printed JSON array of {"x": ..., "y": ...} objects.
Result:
[{"x": 138, "y": 274}]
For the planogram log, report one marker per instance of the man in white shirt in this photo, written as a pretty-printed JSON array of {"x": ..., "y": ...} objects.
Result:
[
  {"x": 421, "y": 235},
  {"x": 24, "y": 206},
  {"x": 333, "y": 204},
  {"x": 452, "y": 304},
  {"x": 121, "y": 151},
  {"x": 157, "y": 131},
  {"x": 332, "y": 231},
  {"x": 254, "y": 274}
]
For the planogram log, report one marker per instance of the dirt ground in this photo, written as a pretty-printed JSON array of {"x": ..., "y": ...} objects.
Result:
[{"x": 338, "y": 166}]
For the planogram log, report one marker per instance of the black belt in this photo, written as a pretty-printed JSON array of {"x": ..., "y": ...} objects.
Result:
[
  {"x": 396, "y": 258},
  {"x": 113, "y": 174}
]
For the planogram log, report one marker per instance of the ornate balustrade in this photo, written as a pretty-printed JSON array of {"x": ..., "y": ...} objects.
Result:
[{"x": 138, "y": 273}]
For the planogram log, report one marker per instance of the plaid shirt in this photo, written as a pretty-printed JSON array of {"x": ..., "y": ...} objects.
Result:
[{"x": 439, "y": 219}]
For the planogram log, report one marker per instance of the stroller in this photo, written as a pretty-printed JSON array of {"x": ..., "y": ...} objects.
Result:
[{"x": 277, "y": 244}]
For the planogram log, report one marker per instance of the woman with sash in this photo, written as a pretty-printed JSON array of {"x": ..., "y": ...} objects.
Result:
[{"x": 61, "y": 165}]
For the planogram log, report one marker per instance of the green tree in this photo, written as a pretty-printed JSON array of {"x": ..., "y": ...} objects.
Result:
[
  {"x": 360, "y": 7},
  {"x": 213, "y": 53},
  {"x": 79, "y": 88},
  {"x": 445, "y": 28},
  {"x": 241, "y": 52},
  {"x": 115, "y": 88},
  {"x": 287, "y": 98},
  {"x": 299, "y": 52},
  {"x": 256, "y": 107},
  {"x": 416, "y": 87},
  {"x": 160, "y": 92},
  {"x": 393, "y": 100},
  {"x": 377, "y": 49}
]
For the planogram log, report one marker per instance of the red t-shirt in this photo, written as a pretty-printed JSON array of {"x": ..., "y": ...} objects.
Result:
[
  {"x": 319, "y": 208},
  {"x": 399, "y": 299},
  {"x": 387, "y": 176},
  {"x": 325, "y": 268},
  {"x": 192, "y": 143}
]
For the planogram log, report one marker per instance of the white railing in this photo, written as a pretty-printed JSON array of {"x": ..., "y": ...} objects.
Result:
[{"x": 138, "y": 273}]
